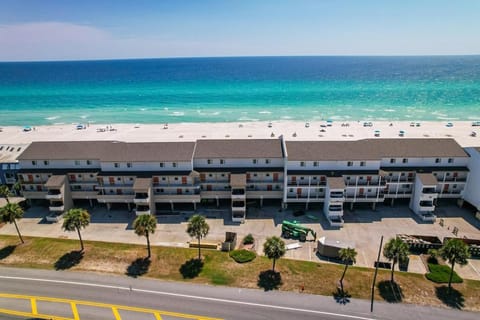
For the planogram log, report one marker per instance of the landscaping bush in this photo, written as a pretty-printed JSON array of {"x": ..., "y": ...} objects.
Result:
[
  {"x": 248, "y": 239},
  {"x": 242, "y": 256},
  {"x": 441, "y": 273}
]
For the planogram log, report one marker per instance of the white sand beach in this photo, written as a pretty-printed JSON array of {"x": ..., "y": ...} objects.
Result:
[{"x": 461, "y": 131}]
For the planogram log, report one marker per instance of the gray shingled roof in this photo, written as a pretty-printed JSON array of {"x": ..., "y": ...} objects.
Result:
[
  {"x": 149, "y": 151},
  {"x": 109, "y": 151},
  {"x": 238, "y": 148},
  {"x": 373, "y": 149}
]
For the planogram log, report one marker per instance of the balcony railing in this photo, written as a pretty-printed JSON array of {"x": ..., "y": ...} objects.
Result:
[
  {"x": 54, "y": 196},
  {"x": 56, "y": 208}
]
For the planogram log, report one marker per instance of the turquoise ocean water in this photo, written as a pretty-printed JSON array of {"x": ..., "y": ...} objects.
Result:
[{"x": 240, "y": 89}]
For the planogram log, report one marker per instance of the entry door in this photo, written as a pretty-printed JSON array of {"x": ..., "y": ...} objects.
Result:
[
  {"x": 73, "y": 178},
  {"x": 209, "y": 187},
  {"x": 202, "y": 177},
  {"x": 294, "y": 179},
  {"x": 445, "y": 187},
  {"x": 119, "y": 191},
  {"x": 111, "y": 180},
  {"x": 39, "y": 188},
  {"x": 179, "y": 191},
  {"x": 30, "y": 178},
  {"x": 269, "y": 187},
  {"x": 184, "y": 180},
  {"x": 360, "y": 191},
  {"x": 155, "y": 180},
  {"x": 299, "y": 192},
  {"x": 275, "y": 176}
]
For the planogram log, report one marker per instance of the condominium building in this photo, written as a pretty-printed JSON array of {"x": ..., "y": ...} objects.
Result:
[
  {"x": 9, "y": 163},
  {"x": 161, "y": 177},
  {"x": 240, "y": 172}
]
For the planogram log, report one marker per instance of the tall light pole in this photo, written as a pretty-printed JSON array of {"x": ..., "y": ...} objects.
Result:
[{"x": 375, "y": 275}]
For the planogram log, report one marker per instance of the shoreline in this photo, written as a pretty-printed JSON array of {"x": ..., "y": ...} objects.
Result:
[{"x": 291, "y": 130}]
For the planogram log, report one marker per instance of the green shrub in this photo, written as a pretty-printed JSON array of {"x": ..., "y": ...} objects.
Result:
[
  {"x": 441, "y": 273},
  {"x": 248, "y": 239},
  {"x": 242, "y": 256}
]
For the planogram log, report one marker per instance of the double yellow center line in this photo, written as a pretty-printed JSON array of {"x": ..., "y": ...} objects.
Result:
[{"x": 76, "y": 316}]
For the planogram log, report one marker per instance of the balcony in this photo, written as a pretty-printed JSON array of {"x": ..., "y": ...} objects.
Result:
[
  {"x": 429, "y": 191},
  {"x": 399, "y": 194},
  {"x": 365, "y": 183},
  {"x": 142, "y": 210},
  {"x": 118, "y": 198},
  {"x": 335, "y": 211},
  {"x": 452, "y": 179},
  {"x": 56, "y": 207},
  {"x": 265, "y": 194},
  {"x": 426, "y": 206},
  {"x": 54, "y": 194},
  {"x": 427, "y": 216},
  {"x": 186, "y": 197},
  {"x": 450, "y": 194},
  {"x": 141, "y": 198},
  {"x": 365, "y": 198},
  {"x": 34, "y": 194},
  {"x": 84, "y": 194},
  {"x": 335, "y": 221}
]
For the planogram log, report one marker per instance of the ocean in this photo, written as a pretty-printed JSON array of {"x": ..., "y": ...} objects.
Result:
[{"x": 435, "y": 88}]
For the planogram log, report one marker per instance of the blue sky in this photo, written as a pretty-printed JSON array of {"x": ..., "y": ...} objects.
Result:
[{"x": 86, "y": 29}]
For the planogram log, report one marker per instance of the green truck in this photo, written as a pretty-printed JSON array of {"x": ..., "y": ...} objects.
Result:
[{"x": 294, "y": 230}]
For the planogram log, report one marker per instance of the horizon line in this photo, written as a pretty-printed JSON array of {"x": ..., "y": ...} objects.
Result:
[{"x": 245, "y": 56}]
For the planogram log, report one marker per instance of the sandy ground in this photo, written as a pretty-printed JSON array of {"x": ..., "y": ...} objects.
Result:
[{"x": 291, "y": 130}]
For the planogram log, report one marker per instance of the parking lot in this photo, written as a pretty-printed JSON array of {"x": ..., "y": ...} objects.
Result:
[{"x": 363, "y": 227}]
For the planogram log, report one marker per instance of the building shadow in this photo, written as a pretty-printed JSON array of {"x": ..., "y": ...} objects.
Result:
[
  {"x": 138, "y": 267},
  {"x": 69, "y": 260},
  {"x": 269, "y": 280},
  {"x": 191, "y": 268},
  {"x": 341, "y": 296},
  {"x": 390, "y": 291},
  {"x": 453, "y": 298},
  {"x": 6, "y": 251}
]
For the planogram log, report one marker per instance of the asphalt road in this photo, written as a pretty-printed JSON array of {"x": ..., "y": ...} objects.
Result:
[{"x": 202, "y": 300}]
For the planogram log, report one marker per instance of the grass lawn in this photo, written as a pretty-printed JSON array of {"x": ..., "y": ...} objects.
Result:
[
  {"x": 219, "y": 269},
  {"x": 441, "y": 273}
]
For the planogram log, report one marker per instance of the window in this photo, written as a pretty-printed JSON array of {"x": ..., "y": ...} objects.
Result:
[
  {"x": 254, "y": 161},
  {"x": 320, "y": 189},
  {"x": 91, "y": 176},
  {"x": 290, "y": 190},
  {"x": 176, "y": 178},
  {"x": 222, "y": 161},
  {"x": 223, "y": 174},
  {"x": 46, "y": 162},
  {"x": 392, "y": 160},
  {"x": 302, "y": 178},
  {"x": 209, "y": 161},
  {"x": 450, "y": 160},
  {"x": 267, "y": 174},
  {"x": 267, "y": 161},
  {"x": 348, "y": 178},
  {"x": 162, "y": 164},
  {"x": 210, "y": 175},
  {"x": 402, "y": 174},
  {"x": 119, "y": 179},
  {"x": 116, "y": 164},
  {"x": 129, "y": 164},
  {"x": 131, "y": 179},
  {"x": 438, "y": 160},
  {"x": 405, "y": 186},
  {"x": 390, "y": 174},
  {"x": 349, "y": 163},
  {"x": 362, "y": 163},
  {"x": 34, "y": 163},
  {"x": 164, "y": 178},
  {"x": 255, "y": 174},
  {"x": 77, "y": 162},
  {"x": 405, "y": 160},
  {"x": 174, "y": 164},
  {"x": 448, "y": 174},
  {"x": 79, "y": 176},
  {"x": 37, "y": 176},
  {"x": 89, "y": 162},
  {"x": 302, "y": 163},
  {"x": 315, "y": 163},
  {"x": 454, "y": 186}
]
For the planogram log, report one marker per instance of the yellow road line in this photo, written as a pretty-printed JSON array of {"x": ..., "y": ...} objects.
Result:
[
  {"x": 33, "y": 302},
  {"x": 106, "y": 305},
  {"x": 74, "y": 311},
  {"x": 116, "y": 314},
  {"x": 28, "y": 314},
  {"x": 158, "y": 316}
]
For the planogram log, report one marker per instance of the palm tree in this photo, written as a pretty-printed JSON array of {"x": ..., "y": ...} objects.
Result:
[
  {"x": 454, "y": 251},
  {"x": 198, "y": 228},
  {"x": 274, "y": 248},
  {"x": 5, "y": 192},
  {"x": 397, "y": 251},
  {"x": 145, "y": 225},
  {"x": 348, "y": 256},
  {"x": 10, "y": 213},
  {"x": 76, "y": 219}
]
